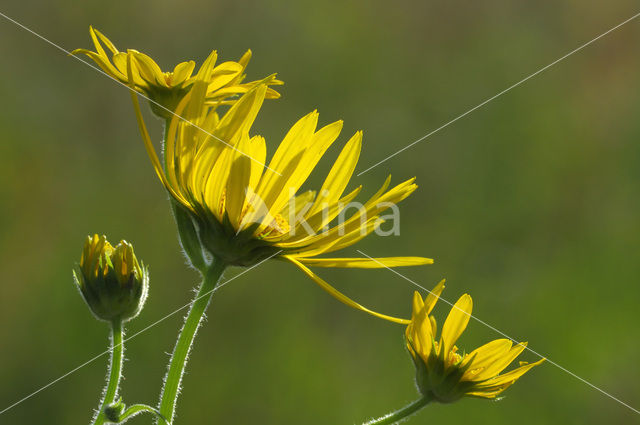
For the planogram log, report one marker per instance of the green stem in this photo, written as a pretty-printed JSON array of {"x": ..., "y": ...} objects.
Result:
[
  {"x": 401, "y": 414},
  {"x": 178, "y": 361},
  {"x": 141, "y": 408},
  {"x": 115, "y": 367}
]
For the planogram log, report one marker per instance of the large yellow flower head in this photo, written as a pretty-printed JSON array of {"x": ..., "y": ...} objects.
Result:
[
  {"x": 165, "y": 89},
  {"x": 445, "y": 375},
  {"x": 246, "y": 212}
]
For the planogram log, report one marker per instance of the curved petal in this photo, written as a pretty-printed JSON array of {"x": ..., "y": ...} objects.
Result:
[
  {"x": 182, "y": 72},
  {"x": 339, "y": 295}
]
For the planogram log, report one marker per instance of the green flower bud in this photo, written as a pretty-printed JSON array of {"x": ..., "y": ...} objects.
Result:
[{"x": 112, "y": 282}]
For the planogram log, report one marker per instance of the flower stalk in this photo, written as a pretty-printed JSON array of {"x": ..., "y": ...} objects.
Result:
[
  {"x": 178, "y": 362},
  {"x": 115, "y": 370},
  {"x": 118, "y": 413},
  {"x": 402, "y": 414}
]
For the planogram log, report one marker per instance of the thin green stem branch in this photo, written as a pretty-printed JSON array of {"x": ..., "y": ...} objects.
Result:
[
  {"x": 136, "y": 409},
  {"x": 192, "y": 322},
  {"x": 402, "y": 414},
  {"x": 115, "y": 370}
]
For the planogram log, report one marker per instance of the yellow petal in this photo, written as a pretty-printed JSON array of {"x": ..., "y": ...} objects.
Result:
[
  {"x": 455, "y": 323},
  {"x": 501, "y": 362},
  {"x": 104, "y": 39},
  {"x": 103, "y": 63},
  {"x": 285, "y": 160},
  {"x": 418, "y": 305},
  {"x": 434, "y": 295},
  {"x": 214, "y": 190},
  {"x": 151, "y": 150},
  {"x": 241, "y": 115},
  {"x": 336, "y": 241},
  {"x": 223, "y": 74},
  {"x": 297, "y": 204},
  {"x": 238, "y": 183},
  {"x": 181, "y": 72},
  {"x": 149, "y": 70},
  {"x": 366, "y": 263},
  {"x": 316, "y": 146},
  {"x": 340, "y": 296},
  {"x": 339, "y": 176},
  {"x": 481, "y": 358},
  {"x": 319, "y": 220},
  {"x": 359, "y": 221},
  {"x": 502, "y": 382},
  {"x": 204, "y": 73},
  {"x": 244, "y": 60},
  {"x": 419, "y": 330},
  {"x": 258, "y": 151}
]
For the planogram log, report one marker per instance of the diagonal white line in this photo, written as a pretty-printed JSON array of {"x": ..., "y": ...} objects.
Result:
[
  {"x": 499, "y": 94},
  {"x": 129, "y": 88},
  {"x": 507, "y": 336},
  {"x": 162, "y": 319}
]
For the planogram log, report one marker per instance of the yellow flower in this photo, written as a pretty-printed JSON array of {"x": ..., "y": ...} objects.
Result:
[
  {"x": 445, "y": 375},
  {"x": 111, "y": 280},
  {"x": 246, "y": 212},
  {"x": 167, "y": 88}
]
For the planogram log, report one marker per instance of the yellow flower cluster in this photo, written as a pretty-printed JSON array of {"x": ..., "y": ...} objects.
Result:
[
  {"x": 243, "y": 210},
  {"x": 166, "y": 89},
  {"x": 233, "y": 207}
]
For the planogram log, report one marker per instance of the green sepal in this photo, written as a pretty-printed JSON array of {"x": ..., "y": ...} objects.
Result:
[
  {"x": 188, "y": 236},
  {"x": 234, "y": 248}
]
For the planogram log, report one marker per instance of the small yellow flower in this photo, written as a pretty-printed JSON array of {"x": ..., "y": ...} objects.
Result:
[
  {"x": 167, "y": 88},
  {"x": 445, "y": 375},
  {"x": 246, "y": 212},
  {"x": 111, "y": 281}
]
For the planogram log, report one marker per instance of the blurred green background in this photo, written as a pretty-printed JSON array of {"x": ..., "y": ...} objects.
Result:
[{"x": 530, "y": 204}]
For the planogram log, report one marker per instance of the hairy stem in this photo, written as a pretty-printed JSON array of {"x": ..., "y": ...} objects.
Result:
[
  {"x": 402, "y": 414},
  {"x": 115, "y": 370},
  {"x": 137, "y": 409},
  {"x": 192, "y": 322}
]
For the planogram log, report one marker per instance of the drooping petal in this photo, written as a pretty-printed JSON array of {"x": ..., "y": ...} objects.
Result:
[
  {"x": 151, "y": 150},
  {"x": 339, "y": 295}
]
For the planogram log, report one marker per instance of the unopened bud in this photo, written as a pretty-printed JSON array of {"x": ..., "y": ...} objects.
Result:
[{"x": 111, "y": 281}]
